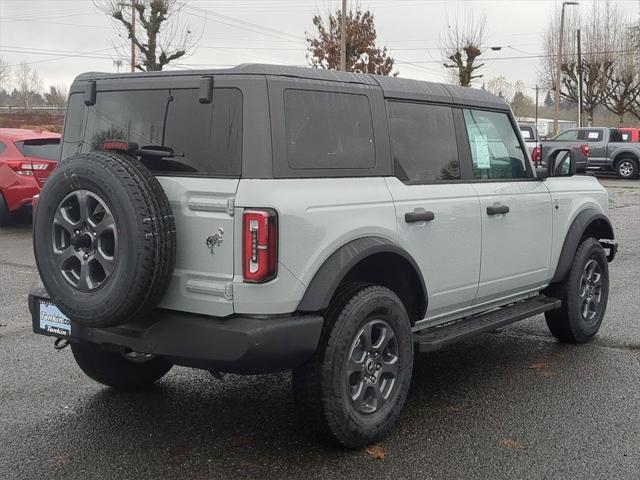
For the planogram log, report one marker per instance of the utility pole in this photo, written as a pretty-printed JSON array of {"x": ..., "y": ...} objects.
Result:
[
  {"x": 537, "y": 91},
  {"x": 556, "y": 101},
  {"x": 133, "y": 32},
  {"x": 579, "y": 78},
  {"x": 343, "y": 37},
  {"x": 133, "y": 36}
]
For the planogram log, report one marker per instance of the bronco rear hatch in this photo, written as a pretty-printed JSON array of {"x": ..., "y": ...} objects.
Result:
[{"x": 194, "y": 146}]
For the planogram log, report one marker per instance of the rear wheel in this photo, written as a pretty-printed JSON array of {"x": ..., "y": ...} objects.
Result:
[
  {"x": 584, "y": 294},
  {"x": 114, "y": 370},
  {"x": 627, "y": 168},
  {"x": 354, "y": 388},
  {"x": 4, "y": 212}
]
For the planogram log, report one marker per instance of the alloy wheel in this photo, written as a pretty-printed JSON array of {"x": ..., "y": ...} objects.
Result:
[
  {"x": 84, "y": 240},
  {"x": 372, "y": 367}
]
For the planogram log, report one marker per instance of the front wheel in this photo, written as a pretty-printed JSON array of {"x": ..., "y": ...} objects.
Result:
[
  {"x": 354, "y": 388},
  {"x": 584, "y": 294},
  {"x": 114, "y": 370}
]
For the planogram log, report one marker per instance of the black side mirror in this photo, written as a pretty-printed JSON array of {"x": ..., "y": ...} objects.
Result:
[{"x": 561, "y": 163}]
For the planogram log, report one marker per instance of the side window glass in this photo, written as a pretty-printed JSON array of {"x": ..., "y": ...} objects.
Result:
[
  {"x": 423, "y": 142},
  {"x": 567, "y": 135},
  {"x": 3, "y": 147},
  {"x": 328, "y": 130},
  {"x": 594, "y": 135},
  {"x": 495, "y": 149}
]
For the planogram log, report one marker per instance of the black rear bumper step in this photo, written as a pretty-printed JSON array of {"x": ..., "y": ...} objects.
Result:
[{"x": 434, "y": 338}]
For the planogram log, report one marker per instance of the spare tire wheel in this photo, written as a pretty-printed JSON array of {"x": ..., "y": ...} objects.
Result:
[{"x": 104, "y": 239}]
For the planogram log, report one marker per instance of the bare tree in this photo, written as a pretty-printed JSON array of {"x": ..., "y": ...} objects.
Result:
[
  {"x": 28, "y": 84},
  {"x": 601, "y": 47},
  {"x": 5, "y": 74},
  {"x": 57, "y": 95},
  {"x": 461, "y": 43},
  {"x": 622, "y": 87},
  {"x": 501, "y": 87},
  {"x": 363, "y": 55},
  {"x": 159, "y": 37}
]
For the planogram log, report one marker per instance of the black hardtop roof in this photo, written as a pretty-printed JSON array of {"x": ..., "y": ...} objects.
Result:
[{"x": 393, "y": 87}]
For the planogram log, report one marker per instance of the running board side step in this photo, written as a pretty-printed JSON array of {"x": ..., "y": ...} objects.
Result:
[{"x": 434, "y": 338}]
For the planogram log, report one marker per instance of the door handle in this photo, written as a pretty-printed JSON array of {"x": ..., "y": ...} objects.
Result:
[
  {"x": 497, "y": 209},
  {"x": 419, "y": 215}
]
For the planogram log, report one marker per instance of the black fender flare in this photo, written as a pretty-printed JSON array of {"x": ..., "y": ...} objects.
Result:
[
  {"x": 580, "y": 224},
  {"x": 335, "y": 268}
]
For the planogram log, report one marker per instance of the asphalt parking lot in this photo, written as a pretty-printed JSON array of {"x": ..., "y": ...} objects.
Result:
[{"x": 509, "y": 404}]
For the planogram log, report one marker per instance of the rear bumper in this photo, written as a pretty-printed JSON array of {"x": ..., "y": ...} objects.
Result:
[
  {"x": 16, "y": 189},
  {"x": 236, "y": 344}
]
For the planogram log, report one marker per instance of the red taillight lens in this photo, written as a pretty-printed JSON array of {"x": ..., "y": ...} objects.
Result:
[
  {"x": 535, "y": 154},
  {"x": 585, "y": 150},
  {"x": 260, "y": 245},
  {"x": 21, "y": 168}
]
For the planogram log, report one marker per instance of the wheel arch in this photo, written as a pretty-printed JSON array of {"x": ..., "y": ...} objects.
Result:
[
  {"x": 370, "y": 259},
  {"x": 630, "y": 154},
  {"x": 588, "y": 223}
]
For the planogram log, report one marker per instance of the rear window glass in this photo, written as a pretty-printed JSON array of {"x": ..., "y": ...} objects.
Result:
[
  {"x": 527, "y": 133},
  {"x": 423, "y": 142},
  {"x": 328, "y": 130},
  {"x": 45, "y": 148},
  {"x": 205, "y": 138}
]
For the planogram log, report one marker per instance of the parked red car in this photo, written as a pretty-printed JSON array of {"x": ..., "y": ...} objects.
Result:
[
  {"x": 27, "y": 158},
  {"x": 630, "y": 134}
]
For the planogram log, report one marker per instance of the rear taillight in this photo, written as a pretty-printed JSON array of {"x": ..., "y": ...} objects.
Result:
[
  {"x": 260, "y": 245},
  {"x": 585, "y": 150},
  {"x": 535, "y": 154},
  {"x": 26, "y": 168}
]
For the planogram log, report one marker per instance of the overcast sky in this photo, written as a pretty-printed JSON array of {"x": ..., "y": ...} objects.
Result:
[{"x": 53, "y": 34}]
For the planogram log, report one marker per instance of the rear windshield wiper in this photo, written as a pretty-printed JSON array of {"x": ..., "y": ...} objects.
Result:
[{"x": 157, "y": 152}]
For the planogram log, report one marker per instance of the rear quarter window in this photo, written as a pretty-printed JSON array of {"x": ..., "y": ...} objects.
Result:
[{"x": 328, "y": 130}]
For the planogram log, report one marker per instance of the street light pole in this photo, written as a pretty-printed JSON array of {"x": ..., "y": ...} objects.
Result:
[
  {"x": 556, "y": 101},
  {"x": 579, "y": 77}
]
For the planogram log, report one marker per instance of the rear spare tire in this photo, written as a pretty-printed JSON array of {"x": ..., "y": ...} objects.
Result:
[{"x": 104, "y": 239}]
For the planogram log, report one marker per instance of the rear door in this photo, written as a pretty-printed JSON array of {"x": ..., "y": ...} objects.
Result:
[
  {"x": 515, "y": 209},
  {"x": 200, "y": 179},
  {"x": 595, "y": 138},
  {"x": 437, "y": 213}
]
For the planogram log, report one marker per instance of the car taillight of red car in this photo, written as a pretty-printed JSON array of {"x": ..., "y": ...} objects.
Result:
[{"x": 26, "y": 168}]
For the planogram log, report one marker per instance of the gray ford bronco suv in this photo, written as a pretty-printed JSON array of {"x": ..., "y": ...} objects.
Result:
[{"x": 266, "y": 218}]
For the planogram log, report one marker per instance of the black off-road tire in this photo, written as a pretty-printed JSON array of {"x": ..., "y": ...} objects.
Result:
[
  {"x": 146, "y": 246},
  {"x": 4, "y": 212},
  {"x": 320, "y": 387},
  {"x": 113, "y": 370},
  {"x": 627, "y": 168},
  {"x": 568, "y": 323}
]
